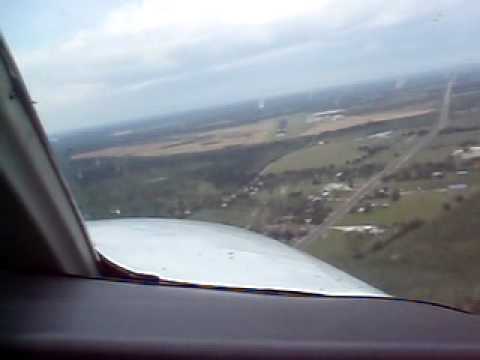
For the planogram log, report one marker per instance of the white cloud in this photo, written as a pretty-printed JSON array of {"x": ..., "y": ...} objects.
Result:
[
  {"x": 144, "y": 44},
  {"x": 186, "y": 14}
]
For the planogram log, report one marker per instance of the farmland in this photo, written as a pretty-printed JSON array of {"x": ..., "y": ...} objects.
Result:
[
  {"x": 436, "y": 263},
  {"x": 283, "y": 169},
  {"x": 337, "y": 153},
  {"x": 423, "y": 204},
  {"x": 247, "y": 135},
  {"x": 355, "y": 120},
  {"x": 426, "y": 246}
]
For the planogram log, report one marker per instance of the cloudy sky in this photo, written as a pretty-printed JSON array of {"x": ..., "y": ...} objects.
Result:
[{"x": 94, "y": 62}]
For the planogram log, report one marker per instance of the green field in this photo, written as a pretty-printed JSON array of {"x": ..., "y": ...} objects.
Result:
[
  {"x": 281, "y": 191},
  {"x": 434, "y": 153},
  {"x": 472, "y": 180},
  {"x": 457, "y": 138},
  {"x": 337, "y": 247},
  {"x": 335, "y": 153},
  {"x": 437, "y": 262},
  {"x": 234, "y": 215},
  {"x": 297, "y": 124},
  {"x": 421, "y": 204},
  {"x": 443, "y": 146},
  {"x": 397, "y": 145}
]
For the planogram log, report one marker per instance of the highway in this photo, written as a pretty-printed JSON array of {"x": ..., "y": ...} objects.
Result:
[{"x": 319, "y": 232}]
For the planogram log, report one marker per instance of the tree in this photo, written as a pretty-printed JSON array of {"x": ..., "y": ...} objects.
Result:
[
  {"x": 350, "y": 182},
  {"x": 395, "y": 195}
]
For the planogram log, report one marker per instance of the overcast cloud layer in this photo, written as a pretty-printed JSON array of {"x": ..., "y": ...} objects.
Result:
[{"x": 97, "y": 62}]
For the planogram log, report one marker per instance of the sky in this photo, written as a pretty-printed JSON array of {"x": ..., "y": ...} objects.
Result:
[{"x": 90, "y": 62}]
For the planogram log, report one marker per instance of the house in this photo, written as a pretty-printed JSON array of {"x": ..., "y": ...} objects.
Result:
[
  {"x": 469, "y": 156},
  {"x": 381, "y": 135},
  {"x": 367, "y": 229},
  {"x": 457, "y": 186}
]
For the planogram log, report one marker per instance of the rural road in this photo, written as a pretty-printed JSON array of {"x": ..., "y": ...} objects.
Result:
[{"x": 319, "y": 232}]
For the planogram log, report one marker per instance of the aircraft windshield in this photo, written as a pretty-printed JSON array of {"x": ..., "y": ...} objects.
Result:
[{"x": 346, "y": 130}]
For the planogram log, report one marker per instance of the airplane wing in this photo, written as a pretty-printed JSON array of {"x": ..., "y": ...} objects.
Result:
[{"x": 211, "y": 254}]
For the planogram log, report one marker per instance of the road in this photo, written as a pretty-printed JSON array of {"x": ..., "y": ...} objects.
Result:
[{"x": 319, "y": 232}]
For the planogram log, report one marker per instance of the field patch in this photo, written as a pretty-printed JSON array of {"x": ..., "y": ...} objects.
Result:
[
  {"x": 251, "y": 134},
  {"x": 336, "y": 153},
  {"x": 425, "y": 205},
  {"x": 355, "y": 120}
]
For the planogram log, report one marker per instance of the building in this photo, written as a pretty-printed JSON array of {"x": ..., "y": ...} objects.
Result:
[
  {"x": 467, "y": 157},
  {"x": 330, "y": 115}
]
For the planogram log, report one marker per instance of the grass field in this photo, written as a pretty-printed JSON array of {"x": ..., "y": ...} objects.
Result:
[
  {"x": 381, "y": 116},
  {"x": 337, "y": 247},
  {"x": 457, "y": 138},
  {"x": 421, "y": 204},
  {"x": 472, "y": 180},
  {"x": 235, "y": 215},
  {"x": 250, "y": 134},
  {"x": 396, "y": 143},
  {"x": 443, "y": 146},
  {"x": 434, "y": 153},
  {"x": 437, "y": 262},
  {"x": 336, "y": 153},
  {"x": 297, "y": 124}
]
